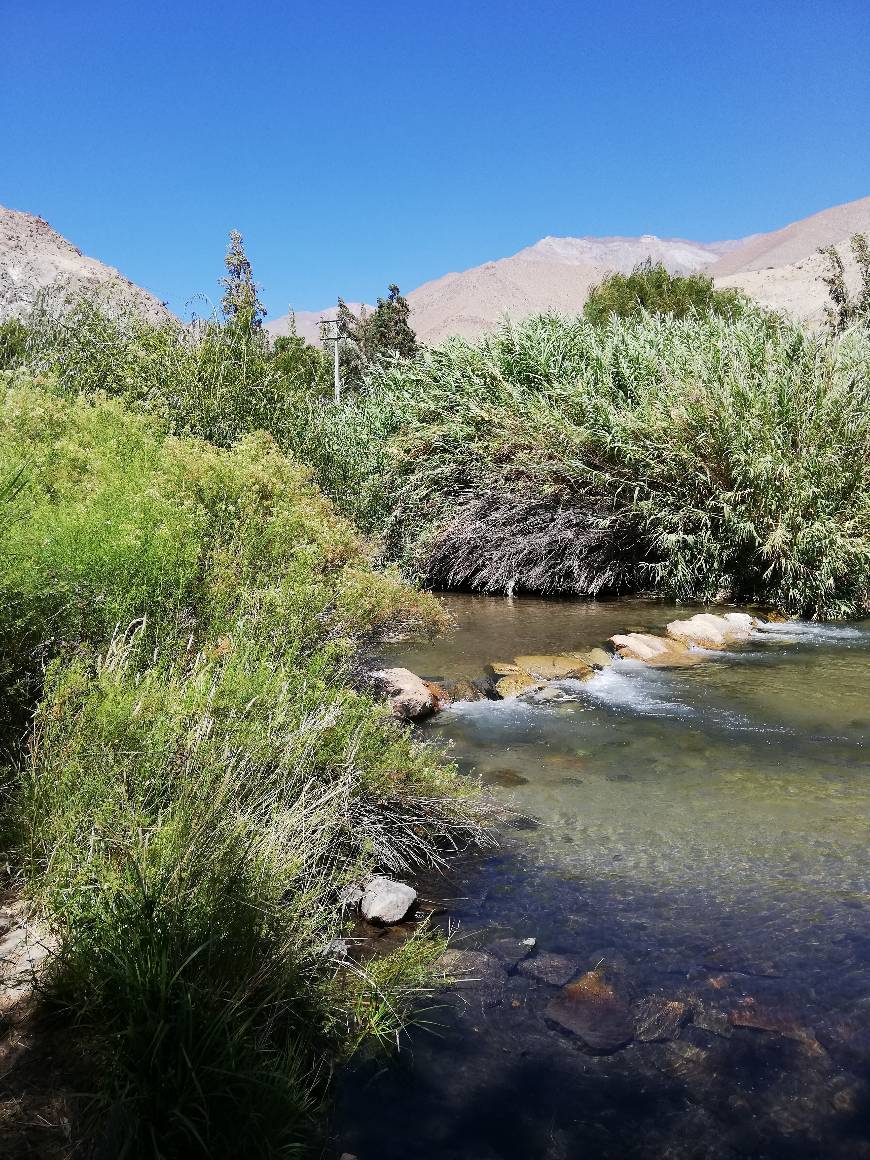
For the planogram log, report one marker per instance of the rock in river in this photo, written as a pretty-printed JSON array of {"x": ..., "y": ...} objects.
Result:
[
  {"x": 657, "y": 1019},
  {"x": 410, "y": 697},
  {"x": 556, "y": 667},
  {"x": 594, "y": 1013},
  {"x": 515, "y": 684},
  {"x": 385, "y": 901}
]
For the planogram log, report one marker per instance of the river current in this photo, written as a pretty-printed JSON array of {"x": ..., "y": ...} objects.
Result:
[{"x": 700, "y": 835}]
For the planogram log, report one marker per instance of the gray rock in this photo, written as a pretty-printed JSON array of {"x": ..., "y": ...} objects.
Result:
[
  {"x": 385, "y": 901},
  {"x": 409, "y": 696},
  {"x": 555, "y": 970},
  {"x": 511, "y": 951}
]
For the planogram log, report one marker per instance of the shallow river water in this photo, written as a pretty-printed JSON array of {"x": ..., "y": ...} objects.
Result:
[{"x": 699, "y": 835}]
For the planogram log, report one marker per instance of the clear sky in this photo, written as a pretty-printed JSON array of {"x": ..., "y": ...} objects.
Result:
[{"x": 355, "y": 144}]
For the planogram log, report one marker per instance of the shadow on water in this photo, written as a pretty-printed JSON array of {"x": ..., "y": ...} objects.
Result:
[{"x": 702, "y": 835}]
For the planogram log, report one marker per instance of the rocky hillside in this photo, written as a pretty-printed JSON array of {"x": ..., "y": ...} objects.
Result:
[{"x": 35, "y": 258}]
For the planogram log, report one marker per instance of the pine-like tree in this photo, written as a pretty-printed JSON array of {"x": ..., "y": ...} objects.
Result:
[{"x": 240, "y": 305}]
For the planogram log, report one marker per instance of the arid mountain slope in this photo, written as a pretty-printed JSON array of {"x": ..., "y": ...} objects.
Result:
[
  {"x": 34, "y": 257},
  {"x": 797, "y": 241}
]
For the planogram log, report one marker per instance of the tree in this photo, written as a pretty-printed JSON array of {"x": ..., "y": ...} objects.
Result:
[
  {"x": 384, "y": 333},
  {"x": 303, "y": 367},
  {"x": 240, "y": 305},
  {"x": 846, "y": 308},
  {"x": 653, "y": 289},
  {"x": 389, "y": 328}
]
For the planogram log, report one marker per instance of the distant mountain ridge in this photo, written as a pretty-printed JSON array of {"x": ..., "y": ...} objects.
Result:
[{"x": 780, "y": 269}]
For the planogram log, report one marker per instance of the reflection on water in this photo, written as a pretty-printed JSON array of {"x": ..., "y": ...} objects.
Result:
[{"x": 702, "y": 832}]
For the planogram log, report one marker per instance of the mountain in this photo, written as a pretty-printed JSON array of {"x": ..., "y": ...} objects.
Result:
[
  {"x": 782, "y": 269},
  {"x": 34, "y": 257},
  {"x": 553, "y": 274},
  {"x": 797, "y": 241}
]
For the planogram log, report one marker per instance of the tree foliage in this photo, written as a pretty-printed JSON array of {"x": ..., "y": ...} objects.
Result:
[
  {"x": 364, "y": 339},
  {"x": 240, "y": 304},
  {"x": 846, "y": 308},
  {"x": 652, "y": 289}
]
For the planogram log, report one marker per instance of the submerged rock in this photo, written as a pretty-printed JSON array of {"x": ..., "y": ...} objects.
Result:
[
  {"x": 553, "y": 969},
  {"x": 385, "y": 901},
  {"x": 657, "y": 1019},
  {"x": 511, "y": 951},
  {"x": 592, "y": 1011},
  {"x": 410, "y": 697}
]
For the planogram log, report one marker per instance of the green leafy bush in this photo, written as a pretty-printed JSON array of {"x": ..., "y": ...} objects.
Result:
[
  {"x": 652, "y": 289},
  {"x": 201, "y": 776}
]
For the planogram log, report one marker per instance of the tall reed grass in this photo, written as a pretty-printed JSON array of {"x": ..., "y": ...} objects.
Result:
[{"x": 694, "y": 458}]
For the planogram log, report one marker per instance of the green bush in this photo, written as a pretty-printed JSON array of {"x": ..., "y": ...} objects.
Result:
[
  {"x": 201, "y": 777},
  {"x": 652, "y": 289}
]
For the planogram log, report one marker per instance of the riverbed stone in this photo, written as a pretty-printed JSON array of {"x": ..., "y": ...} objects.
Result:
[
  {"x": 409, "y": 696},
  {"x": 706, "y": 630},
  {"x": 386, "y": 902},
  {"x": 658, "y": 651},
  {"x": 743, "y": 960},
  {"x": 657, "y": 1019},
  {"x": 596, "y": 658},
  {"x": 511, "y": 951},
  {"x": 592, "y": 1012},
  {"x": 464, "y": 689},
  {"x": 555, "y": 667},
  {"x": 515, "y": 685},
  {"x": 467, "y": 967},
  {"x": 553, "y": 969}
]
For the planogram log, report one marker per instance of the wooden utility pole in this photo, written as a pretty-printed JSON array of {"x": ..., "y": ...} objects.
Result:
[{"x": 330, "y": 334}]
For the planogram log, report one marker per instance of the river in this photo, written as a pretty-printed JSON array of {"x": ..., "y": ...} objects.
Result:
[{"x": 699, "y": 837}]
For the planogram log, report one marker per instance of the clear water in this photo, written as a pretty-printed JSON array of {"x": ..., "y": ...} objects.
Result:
[{"x": 703, "y": 831}]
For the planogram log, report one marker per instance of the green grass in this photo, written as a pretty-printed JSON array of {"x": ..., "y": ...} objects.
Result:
[
  {"x": 696, "y": 458},
  {"x": 200, "y": 776}
]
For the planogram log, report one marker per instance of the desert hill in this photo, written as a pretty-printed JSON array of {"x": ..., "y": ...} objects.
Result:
[{"x": 35, "y": 258}]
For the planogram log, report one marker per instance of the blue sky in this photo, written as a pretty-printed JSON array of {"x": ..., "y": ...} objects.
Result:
[{"x": 356, "y": 144}]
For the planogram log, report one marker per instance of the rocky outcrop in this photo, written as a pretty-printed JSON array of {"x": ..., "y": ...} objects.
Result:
[
  {"x": 409, "y": 696},
  {"x": 658, "y": 651},
  {"x": 559, "y": 667},
  {"x": 685, "y": 637}
]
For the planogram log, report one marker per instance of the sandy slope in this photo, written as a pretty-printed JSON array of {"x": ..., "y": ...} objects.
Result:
[
  {"x": 34, "y": 257},
  {"x": 797, "y": 241}
]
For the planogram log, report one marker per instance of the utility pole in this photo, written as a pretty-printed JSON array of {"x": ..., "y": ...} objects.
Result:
[{"x": 330, "y": 334}]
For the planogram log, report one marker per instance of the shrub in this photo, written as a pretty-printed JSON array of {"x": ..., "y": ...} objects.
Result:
[
  {"x": 845, "y": 308},
  {"x": 201, "y": 776},
  {"x": 652, "y": 289}
]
